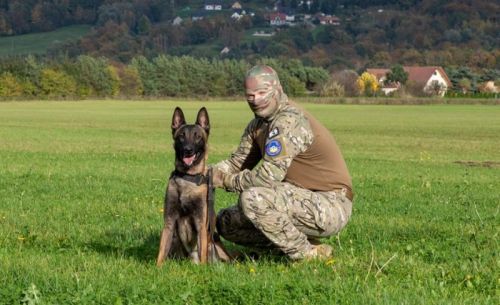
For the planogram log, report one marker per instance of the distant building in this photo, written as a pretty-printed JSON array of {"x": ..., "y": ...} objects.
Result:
[
  {"x": 177, "y": 21},
  {"x": 329, "y": 20},
  {"x": 277, "y": 19},
  {"x": 237, "y": 15},
  {"x": 263, "y": 34},
  {"x": 236, "y": 6},
  {"x": 427, "y": 77},
  {"x": 213, "y": 5}
]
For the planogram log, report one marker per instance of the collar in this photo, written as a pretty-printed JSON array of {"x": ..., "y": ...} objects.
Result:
[{"x": 198, "y": 179}]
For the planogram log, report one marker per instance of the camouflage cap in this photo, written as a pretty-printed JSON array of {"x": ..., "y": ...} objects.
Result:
[{"x": 262, "y": 77}]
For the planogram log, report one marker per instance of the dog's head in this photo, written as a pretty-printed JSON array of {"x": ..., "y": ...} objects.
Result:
[{"x": 190, "y": 140}]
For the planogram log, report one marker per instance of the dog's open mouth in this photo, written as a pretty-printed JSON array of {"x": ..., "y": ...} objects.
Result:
[{"x": 189, "y": 160}]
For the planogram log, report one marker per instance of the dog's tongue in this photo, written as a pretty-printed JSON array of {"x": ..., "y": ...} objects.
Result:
[{"x": 188, "y": 160}]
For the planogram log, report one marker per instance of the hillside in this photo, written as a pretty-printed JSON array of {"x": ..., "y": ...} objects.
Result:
[
  {"x": 39, "y": 43},
  {"x": 358, "y": 34}
]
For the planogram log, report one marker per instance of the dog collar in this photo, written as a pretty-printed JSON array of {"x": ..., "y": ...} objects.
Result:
[{"x": 198, "y": 179}]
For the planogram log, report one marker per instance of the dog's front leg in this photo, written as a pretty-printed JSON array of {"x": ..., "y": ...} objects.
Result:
[
  {"x": 202, "y": 230},
  {"x": 166, "y": 239},
  {"x": 170, "y": 217}
]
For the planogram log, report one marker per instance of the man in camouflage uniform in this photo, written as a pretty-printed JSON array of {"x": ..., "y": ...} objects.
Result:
[{"x": 300, "y": 191}]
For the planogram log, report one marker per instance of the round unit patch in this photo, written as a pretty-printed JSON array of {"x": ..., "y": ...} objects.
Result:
[{"x": 273, "y": 148}]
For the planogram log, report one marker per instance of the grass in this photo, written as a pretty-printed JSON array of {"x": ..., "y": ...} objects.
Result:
[
  {"x": 82, "y": 185},
  {"x": 39, "y": 43}
]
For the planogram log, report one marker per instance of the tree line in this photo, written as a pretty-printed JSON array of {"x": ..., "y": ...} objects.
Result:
[
  {"x": 162, "y": 76},
  {"x": 185, "y": 76}
]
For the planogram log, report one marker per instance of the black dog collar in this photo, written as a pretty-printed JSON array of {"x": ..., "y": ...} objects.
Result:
[{"x": 198, "y": 179}]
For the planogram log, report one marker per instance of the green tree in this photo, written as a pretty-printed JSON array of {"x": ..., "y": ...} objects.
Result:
[
  {"x": 95, "y": 77},
  {"x": 397, "y": 75},
  {"x": 147, "y": 75},
  {"x": 143, "y": 25}
]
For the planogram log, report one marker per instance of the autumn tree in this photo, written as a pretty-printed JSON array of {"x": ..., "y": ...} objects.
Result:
[
  {"x": 367, "y": 84},
  {"x": 9, "y": 86},
  {"x": 54, "y": 84}
]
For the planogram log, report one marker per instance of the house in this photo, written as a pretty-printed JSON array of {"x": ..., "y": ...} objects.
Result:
[
  {"x": 236, "y": 6},
  {"x": 277, "y": 19},
  {"x": 236, "y": 16},
  {"x": 263, "y": 34},
  {"x": 213, "y": 5},
  {"x": 177, "y": 21},
  {"x": 329, "y": 20},
  {"x": 225, "y": 51},
  {"x": 427, "y": 77}
]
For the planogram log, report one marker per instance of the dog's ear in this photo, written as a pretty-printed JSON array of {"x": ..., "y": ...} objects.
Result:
[
  {"x": 177, "y": 119},
  {"x": 202, "y": 120}
]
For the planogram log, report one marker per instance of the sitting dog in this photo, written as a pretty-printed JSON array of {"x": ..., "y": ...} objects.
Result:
[{"x": 189, "y": 215}]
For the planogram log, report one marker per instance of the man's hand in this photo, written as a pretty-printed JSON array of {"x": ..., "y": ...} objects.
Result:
[{"x": 218, "y": 177}]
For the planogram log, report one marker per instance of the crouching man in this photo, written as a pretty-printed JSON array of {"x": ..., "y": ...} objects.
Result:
[{"x": 300, "y": 192}]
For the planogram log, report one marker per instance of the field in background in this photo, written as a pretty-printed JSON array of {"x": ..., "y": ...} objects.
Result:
[
  {"x": 39, "y": 43},
  {"x": 82, "y": 185}
]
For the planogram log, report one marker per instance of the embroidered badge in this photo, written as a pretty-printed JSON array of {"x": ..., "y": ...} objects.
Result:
[
  {"x": 274, "y": 133},
  {"x": 273, "y": 148}
]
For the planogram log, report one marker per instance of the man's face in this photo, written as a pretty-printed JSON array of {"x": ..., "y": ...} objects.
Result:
[{"x": 261, "y": 97}]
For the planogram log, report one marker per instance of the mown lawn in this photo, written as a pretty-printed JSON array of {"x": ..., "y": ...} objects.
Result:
[{"x": 82, "y": 186}]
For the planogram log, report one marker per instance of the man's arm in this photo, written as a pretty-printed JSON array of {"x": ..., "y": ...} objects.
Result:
[
  {"x": 289, "y": 135},
  {"x": 246, "y": 156}
]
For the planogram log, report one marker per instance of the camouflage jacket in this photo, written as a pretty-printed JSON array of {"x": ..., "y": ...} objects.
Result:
[{"x": 274, "y": 141}]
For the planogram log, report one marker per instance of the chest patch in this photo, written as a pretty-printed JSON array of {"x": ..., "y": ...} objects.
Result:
[
  {"x": 274, "y": 133},
  {"x": 273, "y": 148}
]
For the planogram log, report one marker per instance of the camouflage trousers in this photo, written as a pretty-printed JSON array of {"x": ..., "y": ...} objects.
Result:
[{"x": 284, "y": 216}]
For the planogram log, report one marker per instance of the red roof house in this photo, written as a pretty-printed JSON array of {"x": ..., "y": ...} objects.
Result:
[{"x": 424, "y": 76}]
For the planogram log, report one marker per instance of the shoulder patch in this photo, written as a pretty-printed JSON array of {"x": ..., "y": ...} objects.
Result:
[
  {"x": 273, "y": 148},
  {"x": 274, "y": 133}
]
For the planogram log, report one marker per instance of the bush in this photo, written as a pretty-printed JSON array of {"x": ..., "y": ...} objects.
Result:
[
  {"x": 347, "y": 79},
  {"x": 130, "y": 81},
  {"x": 10, "y": 86},
  {"x": 332, "y": 88},
  {"x": 57, "y": 84}
]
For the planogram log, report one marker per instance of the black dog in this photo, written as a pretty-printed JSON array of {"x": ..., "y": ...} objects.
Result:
[{"x": 189, "y": 215}]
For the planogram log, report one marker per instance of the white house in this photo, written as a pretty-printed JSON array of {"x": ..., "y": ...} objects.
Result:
[
  {"x": 213, "y": 5},
  {"x": 177, "y": 21},
  {"x": 236, "y": 6},
  {"x": 236, "y": 16},
  {"x": 427, "y": 77}
]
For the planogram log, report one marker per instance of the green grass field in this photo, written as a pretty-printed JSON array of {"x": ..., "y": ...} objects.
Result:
[
  {"x": 82, "y": 186},
  {"x": 39, "y": 43}
]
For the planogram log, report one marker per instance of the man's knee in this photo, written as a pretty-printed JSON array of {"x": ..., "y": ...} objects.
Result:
[{"x": 255, "y": 201}]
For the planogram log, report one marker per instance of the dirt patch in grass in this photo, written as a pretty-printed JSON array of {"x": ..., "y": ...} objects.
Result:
[{"x": 488, "y": 164}]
